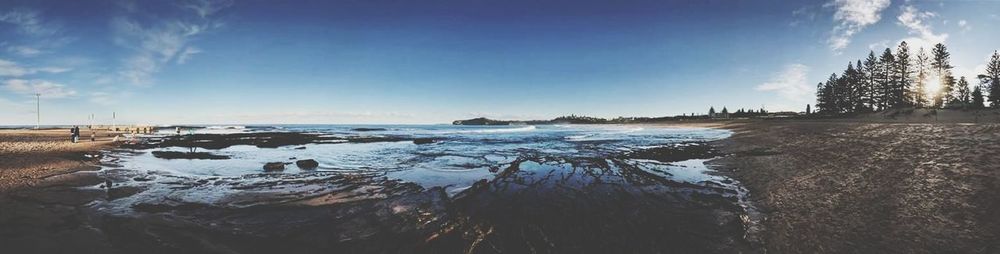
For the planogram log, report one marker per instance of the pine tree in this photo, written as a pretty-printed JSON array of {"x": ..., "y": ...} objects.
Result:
[
  {"x": 848, "y": 89},
  {"x": 858, "y": 84},
  {"x": 977, "y": 98},
  {"x": 826, "y": 97},
  {"x": 885, "y": 81},
  {"x": 920, "y": 83},
  {"x": 711, "y": 111},
  {"x": 992, "y": 79},
  {"x": 942, "y": 69},
  {"x": 821, "y": 98},
  {"x": 869, "y": 81},
  {"x": 963, "y": 96},
  {"x": 903, "y": 71}
]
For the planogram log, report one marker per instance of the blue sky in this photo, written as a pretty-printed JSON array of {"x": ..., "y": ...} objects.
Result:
[{"x": 213, "y": 61}]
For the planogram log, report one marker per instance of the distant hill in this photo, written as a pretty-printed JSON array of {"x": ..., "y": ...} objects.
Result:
[{"x": 482, "y": 121}]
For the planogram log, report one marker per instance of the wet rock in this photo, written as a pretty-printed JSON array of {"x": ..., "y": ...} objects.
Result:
[
  {"x": 421, "y": 141},
  {"x": 274, "y": 166},
  {"x": 679, "y": 152},
  {"x": 122, "y": 192},
  {"x": 307, "y": 164},
  {"x": 188, "y": 155},
  {"x": 368, "y": 129}
]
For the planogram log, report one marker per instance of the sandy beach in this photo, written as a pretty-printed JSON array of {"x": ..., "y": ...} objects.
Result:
[
  {"x": 836, "y": 187},
  {"x": 28, "y": 156}
]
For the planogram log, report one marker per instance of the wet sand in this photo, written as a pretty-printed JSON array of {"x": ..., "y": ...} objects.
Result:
[
  {"x": 841, "y": 186},
  {"x": 29, "y": 156}
]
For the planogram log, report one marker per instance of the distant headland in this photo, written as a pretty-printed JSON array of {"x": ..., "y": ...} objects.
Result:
[{"x": 574, "y": 119}]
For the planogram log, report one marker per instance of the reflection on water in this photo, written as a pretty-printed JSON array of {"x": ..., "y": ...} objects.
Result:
[
  {"x": 562, "y": 188},
  {"x": 464, "y": 155}
]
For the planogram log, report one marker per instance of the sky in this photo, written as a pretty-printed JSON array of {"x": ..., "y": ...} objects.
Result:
[{"x": 373, "y": 61}]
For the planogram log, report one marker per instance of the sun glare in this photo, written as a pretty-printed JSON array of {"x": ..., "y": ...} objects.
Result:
[{"x": 932, "y": 87}]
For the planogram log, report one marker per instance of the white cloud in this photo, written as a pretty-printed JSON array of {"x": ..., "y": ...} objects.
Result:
[
  {"x": 34, "y": 86},
  {"x": 12, "y": 69},
  {"x": 972, "y": 73},
  {"x": 790, "y": 83},
  {"x": 921, "y": 32},
  {"x": 164, "y": 40},
  {"x": 964, "y": 25},
  {"x": 878, "y": 46},
  {"x": 204, "y": 8},
  {"x": 186, "y": 54},
  {"x": 28, "y": 22},
  {"x": 24, "y": 51},
  {"x": 852, "y": 16}
]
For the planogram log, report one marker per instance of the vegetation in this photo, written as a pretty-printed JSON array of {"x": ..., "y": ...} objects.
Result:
[{"x": 897, "y": 80}]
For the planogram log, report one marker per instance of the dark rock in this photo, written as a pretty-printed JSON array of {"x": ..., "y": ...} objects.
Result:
[
  {"x": 300, "y": 148},
  {"x": 274, "y": 166},
  {"x": 421, "y": 141},
  {"x": 368, "y": 129},
  {"x": 121, "y": 192},
  {"x": 680, "y": 152},
  {"x": 307, "y": 164},
  {"x": 189, "y": 155}
]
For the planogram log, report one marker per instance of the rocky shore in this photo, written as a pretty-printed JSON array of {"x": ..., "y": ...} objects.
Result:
[
  {"x": 818, "y": 186},
  {"x": 535, "y": 203}
]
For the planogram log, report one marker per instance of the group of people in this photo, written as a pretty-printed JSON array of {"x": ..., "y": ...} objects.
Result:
[{"x": 74, "y": 134}]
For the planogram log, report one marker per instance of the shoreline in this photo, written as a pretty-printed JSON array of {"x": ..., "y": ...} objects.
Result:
[{"x": 822, "y": 186}]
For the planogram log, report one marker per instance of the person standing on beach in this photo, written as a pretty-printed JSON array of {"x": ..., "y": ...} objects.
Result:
[{"x": 74, "y": 133}]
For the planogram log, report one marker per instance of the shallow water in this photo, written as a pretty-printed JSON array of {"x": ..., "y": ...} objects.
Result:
[
  {"x": 545, "y": 179},
  {"x": 464, "y": 155}
]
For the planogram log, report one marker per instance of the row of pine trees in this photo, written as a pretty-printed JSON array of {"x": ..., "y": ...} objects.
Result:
[{"x": 899, "y": 79}]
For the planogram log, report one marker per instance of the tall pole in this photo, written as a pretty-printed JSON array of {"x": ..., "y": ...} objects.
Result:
[{"x": 38, "y": 110}]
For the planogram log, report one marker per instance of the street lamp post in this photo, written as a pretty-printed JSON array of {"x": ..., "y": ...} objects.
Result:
[{"x": 38, "y": 110}]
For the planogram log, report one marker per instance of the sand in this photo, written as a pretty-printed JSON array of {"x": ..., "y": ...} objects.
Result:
[
  {"x": 28, "y": 156},
  {"x": 835, "y": 187}
]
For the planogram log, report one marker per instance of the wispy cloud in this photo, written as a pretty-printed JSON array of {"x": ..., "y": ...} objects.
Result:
[
  {"x": 804, "y": 14},
  {"x": 964, "y": 25},
  {"x": 790, "y": 83},
  {"x": 852, "y": 16},
  {"x": 28, "y": 22},
  {"x": 24, "y": 51},
  {"x": 922, "y": 34},
  {"x": 12, "y": 69},
  {"x": 164, "y": 40},
  {"x": 187, "y": 54},
  {"x": 34, "y": 86}
]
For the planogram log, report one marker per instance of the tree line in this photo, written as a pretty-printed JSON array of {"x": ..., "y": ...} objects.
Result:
[{"x": 899, "y": 79}]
